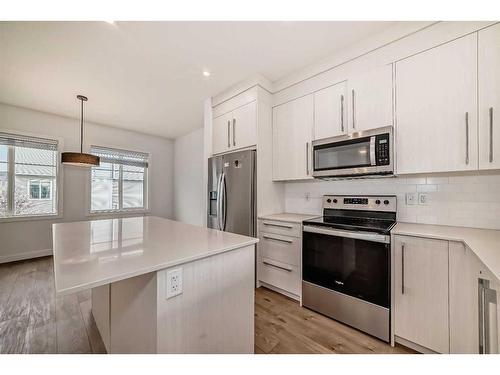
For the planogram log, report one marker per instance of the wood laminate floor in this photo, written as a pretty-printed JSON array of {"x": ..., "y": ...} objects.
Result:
[
  {"x": 34, "y": 320},
  {"x": 282, "y": 326}
]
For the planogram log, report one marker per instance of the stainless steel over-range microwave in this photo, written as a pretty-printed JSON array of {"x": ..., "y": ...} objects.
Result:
[{"x": 364, "y": 154}]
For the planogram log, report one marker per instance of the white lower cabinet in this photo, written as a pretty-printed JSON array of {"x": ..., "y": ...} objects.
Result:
[
  {"x": 439, "y": 302},
  {"x": 467, "y": 323},
  {"x": 279, "y": 257},
  {"x": 421, "y": 292}
]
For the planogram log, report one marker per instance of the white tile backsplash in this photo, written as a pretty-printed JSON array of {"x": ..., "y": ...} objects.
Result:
[{"x": 460, "y": 200}]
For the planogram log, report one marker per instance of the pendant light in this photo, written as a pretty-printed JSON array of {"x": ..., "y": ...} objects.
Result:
[{"x": 80, "y": 159}]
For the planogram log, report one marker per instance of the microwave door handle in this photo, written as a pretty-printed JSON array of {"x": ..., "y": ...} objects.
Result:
[{"x": 373, "y": 160}]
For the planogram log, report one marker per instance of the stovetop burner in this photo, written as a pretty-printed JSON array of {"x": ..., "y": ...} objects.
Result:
[{"x": 366, "y": 213}]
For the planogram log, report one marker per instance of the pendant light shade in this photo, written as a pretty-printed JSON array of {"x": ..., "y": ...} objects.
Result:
[{"x": 80, "y": 159}]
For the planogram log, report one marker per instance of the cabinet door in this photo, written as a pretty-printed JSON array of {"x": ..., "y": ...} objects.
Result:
[
  {"x": 421, "y": 294},
  {"x": 244, "y": 126},
  {"x": 489, "y": 98},
  {"x": 330, "y": 112},
  {"x": 436, "y": 106},
  {"x": 370, "y": 99},
  {"x": 292, "y": 134},
  {"x": 221, "y": 129},
  {"x": 465, "y": 270}
]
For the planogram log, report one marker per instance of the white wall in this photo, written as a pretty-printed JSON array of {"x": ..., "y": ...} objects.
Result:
[
  {"x": 471, "y": 200},
  {"x": 28, "y": 237},
  {"x": 189, "y": 189}
]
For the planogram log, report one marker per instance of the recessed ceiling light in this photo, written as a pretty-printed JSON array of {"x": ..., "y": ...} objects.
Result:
[{"x": 206, "y": 73}]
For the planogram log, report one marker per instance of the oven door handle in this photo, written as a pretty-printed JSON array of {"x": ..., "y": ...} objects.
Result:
[{"x": 367, "y": 236}]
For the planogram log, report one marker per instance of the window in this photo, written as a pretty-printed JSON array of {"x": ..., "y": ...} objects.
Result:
[
  {"x": 28, "y": 176},
  {"x": 40, "y": 189},
  {"x": 119, "y": 183}
]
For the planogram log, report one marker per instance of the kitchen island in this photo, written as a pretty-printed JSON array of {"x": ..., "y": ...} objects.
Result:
[{"x": 160, "y": 286}]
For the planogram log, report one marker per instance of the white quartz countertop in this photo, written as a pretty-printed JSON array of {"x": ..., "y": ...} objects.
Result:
[
  {"x": 485, "y": 243},
  {"x": 288, "y": 217},
  {"x": 88, "y": 254}
]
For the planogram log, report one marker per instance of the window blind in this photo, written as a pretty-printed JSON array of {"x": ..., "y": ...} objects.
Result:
[
  {"x": 18, "y": 140},
  {"x": 123, "y": 157}
]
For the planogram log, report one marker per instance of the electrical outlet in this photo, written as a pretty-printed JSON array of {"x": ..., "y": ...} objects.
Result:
[
  {"x": 422, "y": 199},
  {"x": 307, "y": 196},
  {"x": 410, "y": 198},
  {"x": 174, "y": 282}
]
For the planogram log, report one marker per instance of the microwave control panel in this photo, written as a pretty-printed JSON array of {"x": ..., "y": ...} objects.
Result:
[{"x": 382, "y": 150}]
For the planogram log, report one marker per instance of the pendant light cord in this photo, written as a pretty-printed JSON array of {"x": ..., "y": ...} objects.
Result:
[{"x": 81, "y": 130}]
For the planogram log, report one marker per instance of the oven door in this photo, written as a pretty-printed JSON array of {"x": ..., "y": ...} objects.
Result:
[{"x": 352, "y": 263}]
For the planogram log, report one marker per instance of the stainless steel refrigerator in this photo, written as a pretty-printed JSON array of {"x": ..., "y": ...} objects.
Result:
[{"x": 231, "y": 193}]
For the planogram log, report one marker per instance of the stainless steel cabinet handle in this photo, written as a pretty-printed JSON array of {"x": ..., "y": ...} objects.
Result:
[
  {"x": 276, "y": 239},
  {"x": 353, "y": 110},
  {"x": 228, "y": 133},
  {"x": 234, "y": 132},
  {"x": 278, "y": 225},
  {"x": 491, "y": 134},
  {"x": 486, "y": 296},
  {"x": 307, "y": 158},
  {"x": 466, "y": 137},
  {"x": 342, "y": 113},
  {"x": 276, "y": 266},
  {"x": 403, "y": 268}
]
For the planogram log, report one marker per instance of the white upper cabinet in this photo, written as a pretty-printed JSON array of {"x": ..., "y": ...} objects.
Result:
[
  {"x": 421, "y": 292},
  {"x": 370, "y": 99},
  {"x": 489, "y": 98},
  {"x": 436, "y": 109},
  {"x": 244, "y": 126},
  {"x": 330, "y": 111},
  {"x": 236, "y": 129},
  {"x": 221, "y": 133},
  {"x": 292, "y": 135}
]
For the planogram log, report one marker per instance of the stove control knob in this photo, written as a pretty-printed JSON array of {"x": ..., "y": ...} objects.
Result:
[
  {"x": 377, "y": 201},
  {"x": 386, "y": 202},
  {"x": 334, "y": 201},
  {"x": 329, "y": 200}
]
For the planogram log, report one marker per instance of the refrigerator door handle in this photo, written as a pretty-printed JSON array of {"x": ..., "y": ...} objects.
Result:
[
  {"x": 224, "y": 201},
  {"x": 218, "y": 213}
]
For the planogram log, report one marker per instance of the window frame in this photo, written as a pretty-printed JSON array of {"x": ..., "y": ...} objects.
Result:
[
  {"x": 121, "y": 211},
  {"x": 40, "y": 181},
  {"x": 58, "y": 180}
]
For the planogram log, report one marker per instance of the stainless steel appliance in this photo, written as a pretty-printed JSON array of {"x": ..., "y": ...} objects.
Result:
[
  {"x": 365, "y": 153},
  {"x": 346, "y": 261},
  {"x": 231, "y": 193}
]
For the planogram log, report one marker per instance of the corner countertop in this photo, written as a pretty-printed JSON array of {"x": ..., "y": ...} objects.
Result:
[
  {"x": 88, "y": 254},
  {"x": 288, "y": 217},
  {"x": 485, "y": 243}
]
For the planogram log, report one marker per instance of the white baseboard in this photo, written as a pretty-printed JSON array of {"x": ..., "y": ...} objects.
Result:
[{"x": 27, "y": 255}]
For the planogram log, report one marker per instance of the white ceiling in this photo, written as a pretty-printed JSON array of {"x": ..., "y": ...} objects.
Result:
[{"x": 147, "y": 76}]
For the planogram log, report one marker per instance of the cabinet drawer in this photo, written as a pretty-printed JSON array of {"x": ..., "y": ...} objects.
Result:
[
  {"x": 280, "y": 275},
  {"x": 280, "y": 227},
  {"x": 281, "y": 248}
]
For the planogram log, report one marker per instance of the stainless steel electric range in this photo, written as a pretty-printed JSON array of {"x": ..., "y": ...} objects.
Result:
[{"x": 346, "y": 261}]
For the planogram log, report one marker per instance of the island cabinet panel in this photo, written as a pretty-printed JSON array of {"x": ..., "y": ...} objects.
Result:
[
  {"x": 489, "y": 97},
  {"x": 215, "y": 312},
  {"x": 436, "y": 109},
  {"x": 330, "y": 111},
  {"x": 421, "y": 292},
  {"x": 133, "y": 314},
  {"x": 465, "y": 321},
  {"x": 100, "y": 311}
]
